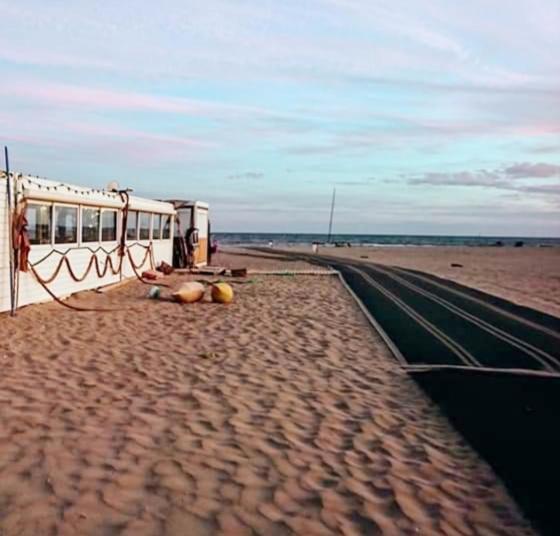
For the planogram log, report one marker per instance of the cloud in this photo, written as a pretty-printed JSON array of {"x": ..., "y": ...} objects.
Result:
[
  {"x": 528, "y": 170},
  {"x": 249, "y": 175},
  {"x": 510, "y": 177},
  {"x": 67, "y": 95},
  {"x": 546, "y": 189},
  {"x": 359, "y": 182},
  {"x": 483, "y": 88},
  {"x": 461, "y": 178},
  {"x": 44, "y": 57},
  {"x": 136, "y": 145},
  {"x": 546, "y": 149}
]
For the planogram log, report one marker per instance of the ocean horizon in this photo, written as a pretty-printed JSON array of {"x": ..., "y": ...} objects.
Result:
[{"x": 287, "y": 239}]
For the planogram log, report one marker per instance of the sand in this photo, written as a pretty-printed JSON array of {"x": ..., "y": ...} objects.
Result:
[
  {"x": 233, "y": 257},
  {"x": 280, "y": 413},
  {"x": 527, "y": 276}
]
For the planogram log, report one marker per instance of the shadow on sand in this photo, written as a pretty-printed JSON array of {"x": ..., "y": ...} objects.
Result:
[{"x": 512, "y": 422}]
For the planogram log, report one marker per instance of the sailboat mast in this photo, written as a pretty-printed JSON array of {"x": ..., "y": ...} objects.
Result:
[{"x": 332, "y": 213}]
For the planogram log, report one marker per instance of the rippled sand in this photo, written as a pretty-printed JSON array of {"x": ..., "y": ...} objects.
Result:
[{"x": 280, "y": 413}]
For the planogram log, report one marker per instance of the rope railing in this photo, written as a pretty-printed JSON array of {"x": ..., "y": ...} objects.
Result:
[
  {"x": 62, "y": 302},
  {"x": 77, "y": 248},
  {"x": 95, "y": 262},
  {"x": 102, "y": 268}
]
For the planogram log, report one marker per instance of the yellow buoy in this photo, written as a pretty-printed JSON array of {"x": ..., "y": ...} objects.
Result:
[{"x": 222, "y": 293}]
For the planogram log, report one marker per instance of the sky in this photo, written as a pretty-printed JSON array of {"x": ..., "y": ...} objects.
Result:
[{"x": 428, "y": 116}]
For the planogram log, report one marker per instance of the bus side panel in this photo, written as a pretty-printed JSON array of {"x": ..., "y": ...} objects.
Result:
[{"x": 4, "y": 249}]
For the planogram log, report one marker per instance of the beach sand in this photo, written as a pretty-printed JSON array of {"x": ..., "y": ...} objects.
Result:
[
  {"x": 260, "y": 260},
  {"x": 527, "y": 276},
  {"x": 280, "y": 413}
]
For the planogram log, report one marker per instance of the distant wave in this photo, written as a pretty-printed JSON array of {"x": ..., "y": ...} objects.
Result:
[{"x": 286, "y": 239}]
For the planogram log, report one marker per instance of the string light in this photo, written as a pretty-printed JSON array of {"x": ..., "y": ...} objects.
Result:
[{"x": 29, "y": 182}]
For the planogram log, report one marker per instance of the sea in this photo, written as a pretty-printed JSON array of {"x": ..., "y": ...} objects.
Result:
[{"x": 295, "y": 239}]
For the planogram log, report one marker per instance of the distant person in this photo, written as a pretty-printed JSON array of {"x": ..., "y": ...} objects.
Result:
[
  {"x": 214, "y": 247},
  {"x": 270, "y": 244}
]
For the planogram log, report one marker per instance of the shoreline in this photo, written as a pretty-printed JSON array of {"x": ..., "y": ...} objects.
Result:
[
  {"x": 281, "y": 240},
  {"x": 324, "y": 247}
]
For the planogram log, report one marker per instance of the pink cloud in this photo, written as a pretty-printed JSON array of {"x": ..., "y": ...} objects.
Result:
[
  {"x": 113, "y": 131},
  {"x": 125, "y": 144},
  {"x": 70, "y": 95},
  {"x": 36, "y": 56}
]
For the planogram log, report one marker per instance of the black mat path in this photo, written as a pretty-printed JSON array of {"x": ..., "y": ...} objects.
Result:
[
  {"x": 502, "y": 388},
  {"x": 515, "y": 337},
  {"x": 512, "y": 422}
]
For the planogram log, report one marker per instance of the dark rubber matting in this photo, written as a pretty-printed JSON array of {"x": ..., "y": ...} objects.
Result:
[
  {"x": 512, "y": 422},
  {"x": 418, "y": 346}
]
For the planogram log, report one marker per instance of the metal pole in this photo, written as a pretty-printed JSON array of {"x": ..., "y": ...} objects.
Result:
[
  {"x": 10, "y": 232},
  {"x": 332, "y": 212}
]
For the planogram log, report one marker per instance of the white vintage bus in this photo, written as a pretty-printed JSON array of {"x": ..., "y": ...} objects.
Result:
[{"x": 77, "y": 238}]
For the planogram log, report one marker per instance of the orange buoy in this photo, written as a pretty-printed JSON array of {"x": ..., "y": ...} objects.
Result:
[{"x": 189, "y": 292}]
